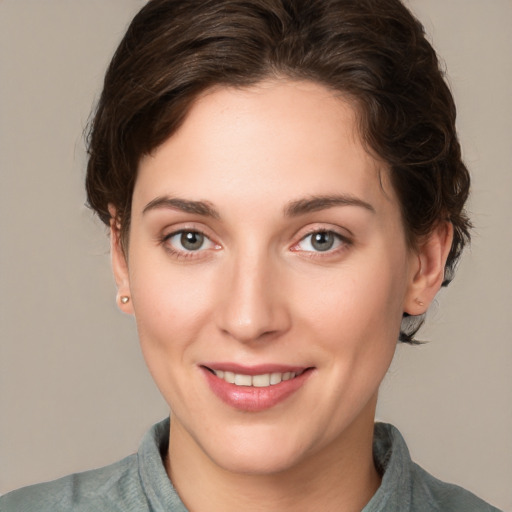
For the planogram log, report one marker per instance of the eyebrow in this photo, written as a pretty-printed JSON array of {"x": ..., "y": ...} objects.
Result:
[
  {"x": 185, "y": 205},
  {"x": 317, "y": 203},
  {"x": 292, "y": 209}
]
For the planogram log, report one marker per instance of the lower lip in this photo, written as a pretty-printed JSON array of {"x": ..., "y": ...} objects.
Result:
[{"x": 254, "y": 399}]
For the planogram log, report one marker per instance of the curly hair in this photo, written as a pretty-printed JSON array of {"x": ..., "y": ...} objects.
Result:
[{"x": 374, "y": 52}]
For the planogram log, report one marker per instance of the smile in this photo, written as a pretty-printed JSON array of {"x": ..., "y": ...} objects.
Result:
[
  {"x": 257, "y": 381},
  {"x": 257, "y": 388}
]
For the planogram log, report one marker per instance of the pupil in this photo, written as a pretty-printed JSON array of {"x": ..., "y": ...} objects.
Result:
[
  {"x": 191, "y": 240},
  {"x": 322, "y": 241}
]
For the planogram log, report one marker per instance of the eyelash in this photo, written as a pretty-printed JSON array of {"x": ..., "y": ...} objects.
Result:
[
  {"x": 344, "y": 243},
  {"x": 183, "y": 254}
]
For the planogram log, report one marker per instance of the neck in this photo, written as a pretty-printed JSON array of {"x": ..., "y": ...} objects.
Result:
[{"x": 340, "y": 477}]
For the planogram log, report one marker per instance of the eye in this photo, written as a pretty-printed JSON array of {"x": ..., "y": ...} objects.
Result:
[
  {"x": 189, "y": 241},
  {"x": 321, "y": 241}
]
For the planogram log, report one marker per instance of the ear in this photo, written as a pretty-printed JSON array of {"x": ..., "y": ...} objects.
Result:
[
  {"x": 119, "y": 264},
  {"x": 427, "y": 269}
]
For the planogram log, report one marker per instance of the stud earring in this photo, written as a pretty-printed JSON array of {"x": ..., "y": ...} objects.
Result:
[
  {"x": 418, "y": 301},
  {"x": 125, "y": 299}
]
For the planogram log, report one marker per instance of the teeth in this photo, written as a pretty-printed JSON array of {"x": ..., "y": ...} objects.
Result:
[
  {"x": 257, "y": 381},
  {"x": 243, "y": 380},
  {"x": 261, "y": 381},
  {"x": 228, "y": 377},
  {"x": 276, "y": 378}
]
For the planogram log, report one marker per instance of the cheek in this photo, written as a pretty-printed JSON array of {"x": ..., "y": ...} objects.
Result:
[
  {"x": 349, "y": 321},
  {"x": 170, "y": 303},
  {"x": 360, "y": 303}
]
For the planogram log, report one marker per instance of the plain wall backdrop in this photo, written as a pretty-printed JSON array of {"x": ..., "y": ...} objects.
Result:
[{"x": 74, "y": 390}]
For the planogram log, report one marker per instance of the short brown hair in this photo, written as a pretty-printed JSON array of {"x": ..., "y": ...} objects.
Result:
[{"x": 373, "y": 51}]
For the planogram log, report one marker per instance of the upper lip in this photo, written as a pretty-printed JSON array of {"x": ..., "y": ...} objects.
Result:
[{"x": 258, "y": 369}]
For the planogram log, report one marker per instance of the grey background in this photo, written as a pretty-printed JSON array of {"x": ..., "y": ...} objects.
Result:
[{"x": 74, "y": 391}]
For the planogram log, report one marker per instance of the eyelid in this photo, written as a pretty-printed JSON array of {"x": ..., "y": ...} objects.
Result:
[
  {"x": 344, "y": 241},
  {"x": 181, "y": 227},
  {"x": 182, "y": 231},
  {"x": 167, "y": 235}
]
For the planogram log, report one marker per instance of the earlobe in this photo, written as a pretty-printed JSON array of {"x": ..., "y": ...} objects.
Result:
[
  {"x": 427, "y": 272},
  {"x": 119, "y": 264}
]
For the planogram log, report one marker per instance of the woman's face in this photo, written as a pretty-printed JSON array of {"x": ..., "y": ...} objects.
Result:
[{"x": 267, "y": 247}]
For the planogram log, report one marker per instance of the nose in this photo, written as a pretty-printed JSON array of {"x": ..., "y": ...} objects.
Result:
[{"x": 253, "y": 304}]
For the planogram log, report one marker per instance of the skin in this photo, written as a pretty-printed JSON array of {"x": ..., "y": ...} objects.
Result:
[{"x": 259, "y": 292}]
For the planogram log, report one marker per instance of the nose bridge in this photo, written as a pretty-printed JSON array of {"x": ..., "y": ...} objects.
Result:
[{"x": 252, "y": 305}]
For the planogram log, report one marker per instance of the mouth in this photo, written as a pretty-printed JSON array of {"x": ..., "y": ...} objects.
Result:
[
  {"x": 262, "y": 380},
  {"x": 257, "y": 388}
]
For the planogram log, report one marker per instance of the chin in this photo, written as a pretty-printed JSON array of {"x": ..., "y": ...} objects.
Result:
[
  {"x": 257, "y": 451},
  {"x": 256, "y": 462}
]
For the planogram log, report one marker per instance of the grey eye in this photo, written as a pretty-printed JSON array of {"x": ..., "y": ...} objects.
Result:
[
  {"x": 188, "y": 242},
  {"x": 323, "y": 240},
  {"x": 191, "y": 240}
]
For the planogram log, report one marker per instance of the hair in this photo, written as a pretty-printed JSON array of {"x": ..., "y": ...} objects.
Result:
[{"x": 373, "y": 52}]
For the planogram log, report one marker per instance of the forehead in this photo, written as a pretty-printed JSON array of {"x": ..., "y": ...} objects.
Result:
[{"x": 278, "y": 139}]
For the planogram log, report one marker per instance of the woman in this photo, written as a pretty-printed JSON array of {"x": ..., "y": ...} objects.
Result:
[{"x": 285, "y": 194}]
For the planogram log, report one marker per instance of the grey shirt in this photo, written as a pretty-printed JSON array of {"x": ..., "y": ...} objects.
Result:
[{"x": 139, "y": 483}]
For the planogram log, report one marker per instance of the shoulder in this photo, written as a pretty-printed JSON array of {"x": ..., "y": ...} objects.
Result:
[
  {"x": 406, "y": 487},
  {"x": 112, "y": 488},
  {"x": 138, "y": 483},
  {"x": 429, "y": 493}
]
